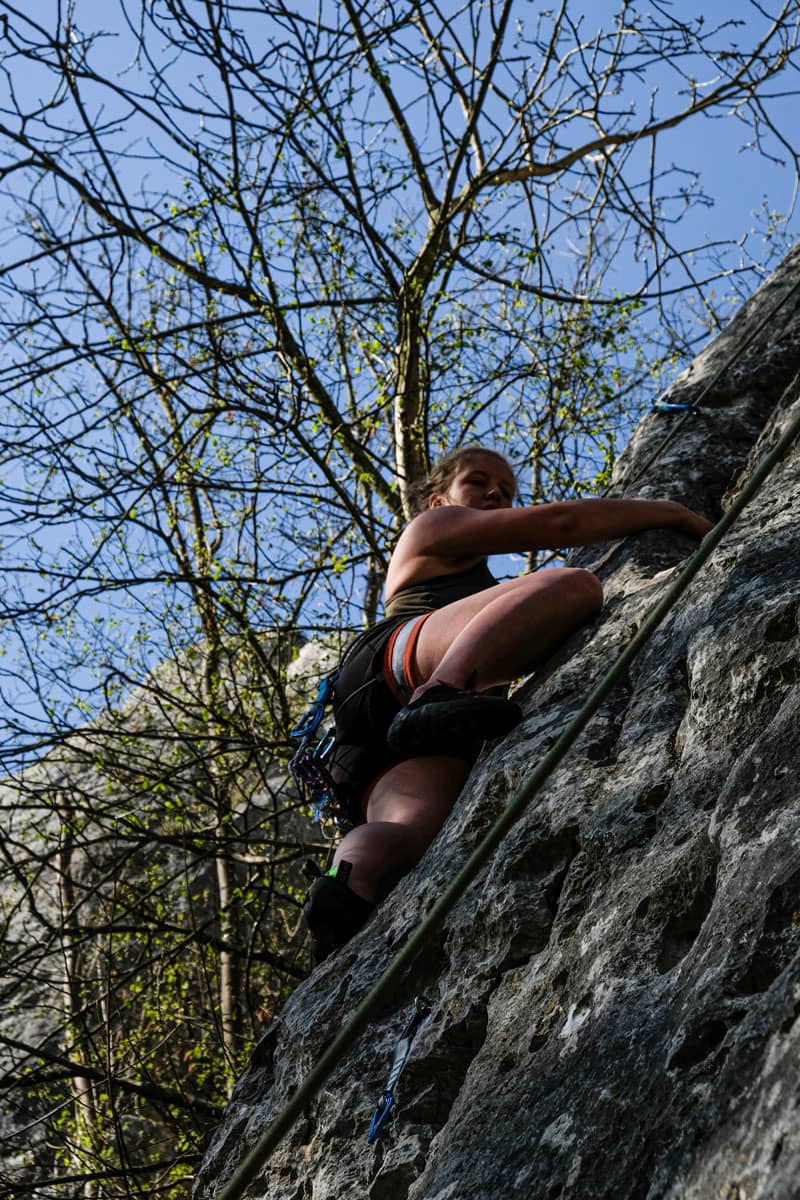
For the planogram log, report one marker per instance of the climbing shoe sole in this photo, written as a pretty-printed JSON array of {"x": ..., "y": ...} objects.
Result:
[{"x": 445, "y": 721}]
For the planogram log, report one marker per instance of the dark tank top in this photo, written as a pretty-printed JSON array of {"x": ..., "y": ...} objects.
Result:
[
  {"x": 419, "y": 598},
  {"x": 439, "y": 591}
]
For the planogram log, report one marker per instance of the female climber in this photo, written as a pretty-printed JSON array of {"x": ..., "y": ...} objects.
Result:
[{"x": 416, "y": 695}]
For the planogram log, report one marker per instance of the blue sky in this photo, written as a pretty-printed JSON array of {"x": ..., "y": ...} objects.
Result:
[{"x": 736, "y": 178}]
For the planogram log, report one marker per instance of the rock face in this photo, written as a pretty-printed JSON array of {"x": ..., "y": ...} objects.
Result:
[{"x": 615, "y": 1001}]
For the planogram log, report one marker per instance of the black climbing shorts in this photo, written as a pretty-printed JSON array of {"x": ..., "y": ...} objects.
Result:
[
  {"x": 376, "y": 678},
  {"x": 363, "y": 707}
]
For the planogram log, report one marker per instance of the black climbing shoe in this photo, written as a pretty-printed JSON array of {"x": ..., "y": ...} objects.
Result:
[
  {"x": 446, "y": 721},
  {"x": 333, "y": 913}
]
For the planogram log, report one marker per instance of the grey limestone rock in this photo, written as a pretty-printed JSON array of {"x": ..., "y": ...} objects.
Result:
[{"x": 616, "y": 999}]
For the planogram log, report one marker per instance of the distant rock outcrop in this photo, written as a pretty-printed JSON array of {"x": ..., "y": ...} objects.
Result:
[
  {"x": 615, "y": 1001},
  {"x": 107, "y": 877}
]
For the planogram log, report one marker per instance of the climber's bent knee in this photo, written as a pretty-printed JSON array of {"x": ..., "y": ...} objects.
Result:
[{"x": 584, "y": 588}]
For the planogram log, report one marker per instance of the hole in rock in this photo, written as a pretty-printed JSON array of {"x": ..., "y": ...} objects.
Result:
[
  {"x": 697, "y": 1045},
  {"x": 643, "y": 907},
  {"x": 782, "y": 627},
  {"x": 682, "y": 929},
  {"x": 653, "y": 798},
  {"x": 603, "y": 751},
  {"x": 777, "y": 1150},
  {"x": 529, "y": 938},
  {"x": 785, "y": 674},
  {"x": 536, "y": 1042},
  {"x": 778, "y": 941},
  {"x": 759, "y": 976},
  {"x": 543, "y": 857},
  {"x": 650, "y": 828}
]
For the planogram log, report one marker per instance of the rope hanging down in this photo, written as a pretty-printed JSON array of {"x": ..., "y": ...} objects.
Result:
[{"x": 250, "y": 1166}]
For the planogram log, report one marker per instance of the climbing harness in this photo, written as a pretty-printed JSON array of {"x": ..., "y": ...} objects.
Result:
[
  {"x": 402, "y": 1050},
  {"x": 308, "y": 768}
]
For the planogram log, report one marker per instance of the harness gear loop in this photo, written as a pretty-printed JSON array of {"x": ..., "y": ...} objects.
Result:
[{"x": 307, "y": 767}]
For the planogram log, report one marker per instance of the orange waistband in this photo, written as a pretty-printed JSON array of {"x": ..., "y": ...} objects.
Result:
[{"x": 402, "y": 691}]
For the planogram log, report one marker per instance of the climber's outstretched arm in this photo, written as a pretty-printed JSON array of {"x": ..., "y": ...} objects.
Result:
[{"x": 460, "y": 532}]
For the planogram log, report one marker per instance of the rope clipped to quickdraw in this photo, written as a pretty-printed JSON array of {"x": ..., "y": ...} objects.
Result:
[
  {"x": 308, "y": 768},
  {"x": 402, "y": 1050}
]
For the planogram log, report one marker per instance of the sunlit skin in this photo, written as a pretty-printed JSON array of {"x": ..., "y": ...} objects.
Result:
[{"x": 485, "y": 640}]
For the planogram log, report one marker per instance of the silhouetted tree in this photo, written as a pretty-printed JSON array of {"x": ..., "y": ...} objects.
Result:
[{"x": 262, "y": 264}]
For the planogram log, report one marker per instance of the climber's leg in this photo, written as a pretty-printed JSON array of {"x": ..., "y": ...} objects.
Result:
[
  {"x": 407, "y": 807},
  {"x": 482, "y": 641},
  {"x": 497, "y": 635},
  {"x": 471, "y": 645}
]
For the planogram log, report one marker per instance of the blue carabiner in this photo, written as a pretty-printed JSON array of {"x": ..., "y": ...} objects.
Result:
[
  {"x": 325, "y": 746},
  {"x": 380, "y": 1117},
  {"x": 310, "y": 720}
]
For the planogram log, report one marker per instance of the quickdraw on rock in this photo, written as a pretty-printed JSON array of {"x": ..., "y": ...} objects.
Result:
[
  {"x": 402, "y": 1050},
  {"x": 308, "y": 768},
  {"x": 667, "y": 406}
]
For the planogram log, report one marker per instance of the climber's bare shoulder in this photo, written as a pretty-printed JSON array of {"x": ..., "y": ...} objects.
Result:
[
  {"x": 443, "y": 541},
  {"x": 440, "y": 541}
]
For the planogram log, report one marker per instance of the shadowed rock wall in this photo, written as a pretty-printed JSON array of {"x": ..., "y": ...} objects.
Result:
[{"x": 616, "y": 998}]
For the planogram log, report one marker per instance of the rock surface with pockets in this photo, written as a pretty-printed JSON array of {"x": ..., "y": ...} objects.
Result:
[{"x": 616, "y": 1000}]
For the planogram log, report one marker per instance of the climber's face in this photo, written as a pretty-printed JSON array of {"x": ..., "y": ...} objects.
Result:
[{"x": 481, "y": 481}]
